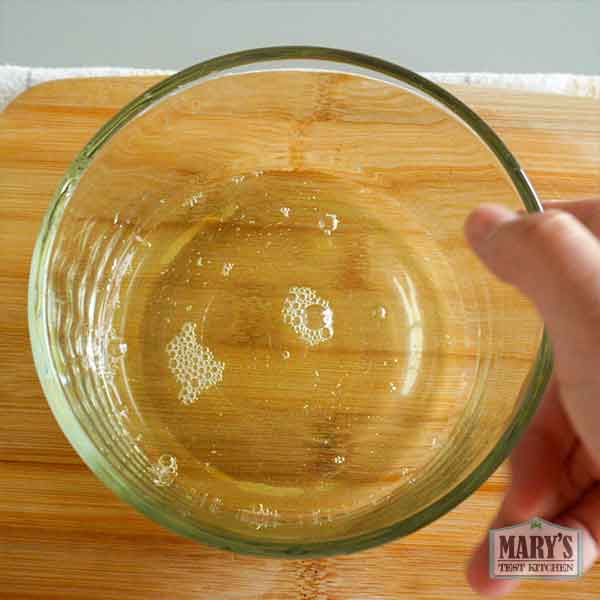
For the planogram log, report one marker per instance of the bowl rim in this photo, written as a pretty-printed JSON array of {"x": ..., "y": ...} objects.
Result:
[{"x": 38, "y": 305}]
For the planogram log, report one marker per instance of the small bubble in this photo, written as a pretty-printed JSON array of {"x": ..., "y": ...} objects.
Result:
[
  {"x": 227, "y": 269},
  {"x": 329, "y": 223},
  {"x": 285, "y": 211},
  {"x": 143, "y": 241},
  {"x": 393, "y": 387},
  {"x": 339, "y": 460},
  {"x": 380, "y": 312},
  {"x": 117, "y": 348},
  {"x": 285, "y": 354}
]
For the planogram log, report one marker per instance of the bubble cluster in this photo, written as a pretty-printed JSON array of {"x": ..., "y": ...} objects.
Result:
[
  {"x": 259, "y": 516},
  {"x": 320, "y": 517},
  {"x": 216, "y": 505},
  {"x": 193, "y": 200},
  {"x": 295, "y": 314},
  {"x": 105, "y": 350},
  {"x": 164, "y": 471},
  {"x": 192, "y": 364}
]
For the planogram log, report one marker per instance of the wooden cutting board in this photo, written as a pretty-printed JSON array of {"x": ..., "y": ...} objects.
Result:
[{"x": 63, "y": 535}]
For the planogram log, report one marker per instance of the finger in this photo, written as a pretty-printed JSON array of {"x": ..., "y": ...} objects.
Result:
[
  {"x": 578, "y": 475},
  {"x": 479, "y": 579},
  {"x": 536, "y": 469},
  {"x": 586, "y": 515},
  {"x": 537, "y": 463},
  {"x": 586, "y": 211},
  {"x": 552, "y": 258}
]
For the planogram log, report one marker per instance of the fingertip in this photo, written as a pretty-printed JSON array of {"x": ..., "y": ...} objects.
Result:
[
  {"x": 589, "y": 546},
  {"x": 478, "y": 575},
  {"x": 483, "y": 222}
]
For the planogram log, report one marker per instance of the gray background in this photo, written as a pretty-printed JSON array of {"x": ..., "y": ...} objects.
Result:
[{"x": 428, "y": 35}]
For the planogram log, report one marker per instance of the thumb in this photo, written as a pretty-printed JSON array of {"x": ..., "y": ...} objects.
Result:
[{"x": 554, "y": 260}]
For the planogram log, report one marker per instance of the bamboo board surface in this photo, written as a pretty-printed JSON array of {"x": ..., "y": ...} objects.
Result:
[{"x": 64, "y": 535}]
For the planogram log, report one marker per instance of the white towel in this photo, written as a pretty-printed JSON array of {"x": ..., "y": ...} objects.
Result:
[{"x": 15, "y": 80}]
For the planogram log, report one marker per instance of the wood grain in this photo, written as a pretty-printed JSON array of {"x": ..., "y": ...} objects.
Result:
[{"x": 64, "y": 535}]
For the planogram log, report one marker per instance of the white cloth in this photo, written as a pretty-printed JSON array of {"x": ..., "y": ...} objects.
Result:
[{"x": 15, "y": 80}]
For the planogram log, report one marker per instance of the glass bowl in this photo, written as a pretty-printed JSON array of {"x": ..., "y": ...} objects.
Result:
[{"x": 254, "y": 314}]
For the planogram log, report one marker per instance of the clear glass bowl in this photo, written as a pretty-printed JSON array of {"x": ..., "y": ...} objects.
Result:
[{"x": 254, "y": 314}]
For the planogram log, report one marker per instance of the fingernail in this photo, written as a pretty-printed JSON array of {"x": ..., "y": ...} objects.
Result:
[
  {"x": 484, "y": 221},
  {"x": 590, "y": 550},
  {"x": 589, "y": 545}
]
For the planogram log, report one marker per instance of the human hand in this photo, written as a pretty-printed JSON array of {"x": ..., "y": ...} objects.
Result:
[{"x": 554, "y": 259}]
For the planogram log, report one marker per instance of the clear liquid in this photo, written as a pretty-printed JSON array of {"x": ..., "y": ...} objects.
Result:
[{"x": 284, "y": 342}]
